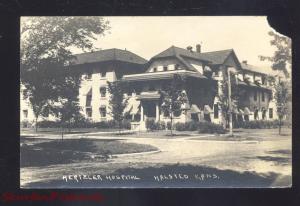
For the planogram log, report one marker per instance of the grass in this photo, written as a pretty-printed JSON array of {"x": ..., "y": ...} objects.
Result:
[{"x": 75, "y": 150}]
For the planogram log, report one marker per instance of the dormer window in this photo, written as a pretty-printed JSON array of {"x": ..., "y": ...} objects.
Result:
[
  {"x": 154, "y": 69},
  {"x": 165, "y": 68}
]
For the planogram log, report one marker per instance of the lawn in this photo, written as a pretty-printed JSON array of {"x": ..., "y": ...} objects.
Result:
[{"x": 49, "y": 152}]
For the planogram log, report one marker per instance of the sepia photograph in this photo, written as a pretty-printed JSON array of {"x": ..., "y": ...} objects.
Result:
[{"x": 154, "y": 102}]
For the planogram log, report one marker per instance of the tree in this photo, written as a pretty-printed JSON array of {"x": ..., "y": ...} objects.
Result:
[
  {"x": 236, "y": 94},
  {"x": 67, "y": 108},
  {"x": 281, "y": 96},
  {"x": 46, "y": 44},
  {"x": 282, "y": 57},
  {"x": 117, "y": 101},
  {"x": 173, "y": 97}
]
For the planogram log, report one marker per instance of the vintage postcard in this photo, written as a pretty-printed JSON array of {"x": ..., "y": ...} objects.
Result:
[{"x": 154, "y": 102}]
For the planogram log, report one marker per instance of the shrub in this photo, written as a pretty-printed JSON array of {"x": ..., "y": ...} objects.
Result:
[
  {"x": 152, "y": 125},
  {"x": 211, "y": 128},
  {"x": 260, "y": 124}
]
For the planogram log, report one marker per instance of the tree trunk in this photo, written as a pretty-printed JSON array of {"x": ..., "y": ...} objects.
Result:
[
  {"x": 279, "y": 127},
  {"x": 36, "y": 126},
  {"x": 62, "y": 133},
  {"x": 69, "y": 126},
  {"x": 171, "y": 127}
]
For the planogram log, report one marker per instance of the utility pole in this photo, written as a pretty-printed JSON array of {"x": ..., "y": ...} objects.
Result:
[{"x": 229, "y": 103}]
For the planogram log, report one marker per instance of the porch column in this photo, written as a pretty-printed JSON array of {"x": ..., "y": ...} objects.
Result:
[
  {"x": 157, "y": 112},
  {"x": 142, "y": 113}
]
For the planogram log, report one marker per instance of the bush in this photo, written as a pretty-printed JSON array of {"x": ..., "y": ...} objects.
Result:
[
  {"x": 152, "y": 125},
  {"x": 260, "y": 124},
  {"x": 85, "y": 123},
  {"x": 211, "y": 128},
  {"x": 202, "y": 127}
]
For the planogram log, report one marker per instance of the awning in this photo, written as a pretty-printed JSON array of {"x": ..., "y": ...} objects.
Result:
[
  {"x": 247, "y": 111},
  {"x": 207, "y": 109},
  {"x": 195, "y": 109},
  {"x": 235, "y": 110},
  {"x": 89, "y": 92},
  {"x": 148, "y": 95},
  {"x": 185, "y": 106},
  {"x": 241, "y": 112},
  {"x": 135, "y": 108},
  {"x": 128, "y": 109}
]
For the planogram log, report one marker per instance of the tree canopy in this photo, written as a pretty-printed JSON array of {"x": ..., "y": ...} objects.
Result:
[
  {"x": 46, "y": 54},
  {"x": 282, "y": 58}
]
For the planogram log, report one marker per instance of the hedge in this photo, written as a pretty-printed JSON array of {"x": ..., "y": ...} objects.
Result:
[
  {"x": 85, "y": 124},
  {"x": 202, "y": 127}
]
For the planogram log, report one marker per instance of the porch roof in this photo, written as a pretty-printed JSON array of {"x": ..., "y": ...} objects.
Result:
[
  {"x": 253, "y": 85},
  {"x": 162, "y": 75},
  {"x": 148, "y": 95},
  {"x": 195, "y": 109}
]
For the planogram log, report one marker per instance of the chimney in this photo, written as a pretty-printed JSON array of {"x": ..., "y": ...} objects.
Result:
[
  {"x": 198, "y": 48},
  {"x": 244, "y": 61},
  {"x": 190, "y": 48}
]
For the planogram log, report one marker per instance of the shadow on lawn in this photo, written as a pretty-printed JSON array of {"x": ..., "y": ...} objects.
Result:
[{"x": 149, "y": 176}]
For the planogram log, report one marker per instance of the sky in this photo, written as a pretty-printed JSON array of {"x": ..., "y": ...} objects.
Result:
[{"x": 148, "y": 36}]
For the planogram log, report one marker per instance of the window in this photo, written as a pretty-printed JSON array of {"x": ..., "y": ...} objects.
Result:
[
  {"x": 264, "y": 114},
  {"x": 263, "y": 80},
  {"x": 176, "y": 67},
  {"x": 154, "y": 69},
  {"x": 103, "y": 91},
  {"x": 88, "y": 100},
  {"x": 25, "y": 113},
  {"x": 89, "y": 76},
  {"x": 216, "y": 111},
  {"x": 165, "y": 68},
  {"x": 270, "y": 113},
  {"x": 103, "y": 74},
  {"x": 255, "y": 96},
  {"x": 207, "y": 117},
  {"x": 103, "y": 111},
  {"x": 263, "y": 96},
  {"x": 151, "y": 88},
  {"x": 256, "y": 114},
  {"x": 177, "y": 113},
  {"x": 246, "y": 117},
  {"x": 166, "y": 114},
  {"x": 88, "y": 112}
]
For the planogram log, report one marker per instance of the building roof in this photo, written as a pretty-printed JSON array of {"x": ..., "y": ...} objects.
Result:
[
  {"x": 174, "y": 51},
  {"x": 162, "y": 75},
  {"x": 252, "y": 68},
  {"x": 109, "y": 55},
  {"x": 216, "y": 57}
]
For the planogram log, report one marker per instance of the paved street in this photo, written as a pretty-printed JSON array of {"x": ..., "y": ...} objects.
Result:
[{"x": 263, "y": 151}]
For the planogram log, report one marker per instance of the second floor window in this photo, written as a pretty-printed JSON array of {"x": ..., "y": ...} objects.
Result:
[
  {"x": 154, "y": 69},
  {"x": 176, "y": 67},
  {"x": 25, "y": 113},
  {"x": 165, "y": 68},
  {"x": 103, "y": 91},
  {"x": 216, "y": 111},
  {"x": 263, "y": 96}
]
